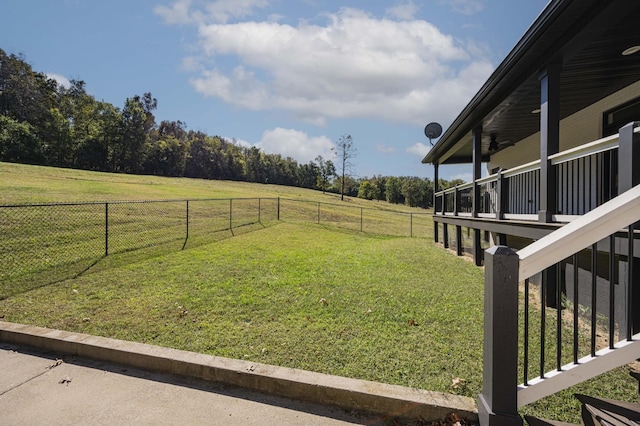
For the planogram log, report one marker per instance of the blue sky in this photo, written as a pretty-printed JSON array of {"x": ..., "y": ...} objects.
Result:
[{"x": 287, "y": 76}]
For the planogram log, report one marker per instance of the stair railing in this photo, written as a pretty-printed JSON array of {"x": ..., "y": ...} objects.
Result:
[{"x": 504, "y": 269}]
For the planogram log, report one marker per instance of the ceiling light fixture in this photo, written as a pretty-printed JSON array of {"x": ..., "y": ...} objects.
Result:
[
  {"x": 493, "y": 145},
  {"x": 631, "y": 50}
]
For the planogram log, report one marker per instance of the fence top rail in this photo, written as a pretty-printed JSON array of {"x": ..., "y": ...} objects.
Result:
[
  {"x": 88, "y": 203},
  {"x": 581, "y": 233},
  {"x": 323, "y": 203}
]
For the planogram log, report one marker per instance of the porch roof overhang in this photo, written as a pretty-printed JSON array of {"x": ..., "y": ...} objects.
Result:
[{"x": 587, "y": 37}]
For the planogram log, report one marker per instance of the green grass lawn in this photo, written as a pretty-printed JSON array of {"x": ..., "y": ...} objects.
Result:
[
  {"x": 322, "y": 297},
  {"x": 377, "y": 308}
]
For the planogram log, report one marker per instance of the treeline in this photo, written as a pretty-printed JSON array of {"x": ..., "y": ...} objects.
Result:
[{"x": 44, "y": 123}]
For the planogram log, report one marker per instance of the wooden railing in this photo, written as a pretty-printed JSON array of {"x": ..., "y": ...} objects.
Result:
[
  {"x": 586, "y": 179},
  {"x": 504, "y": 269},
  {"x": 583, "y": 321}
]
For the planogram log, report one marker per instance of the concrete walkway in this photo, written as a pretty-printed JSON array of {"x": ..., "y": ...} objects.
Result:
[
  {"x": 38, "y": 388},
  {"x": 59, "y": 378}
]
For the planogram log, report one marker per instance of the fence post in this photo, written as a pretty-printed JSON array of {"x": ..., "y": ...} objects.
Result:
[
  {"x": 411, "y": 226},
  {"x": 498, "y": 402},
  {"x": 231, "y": 215},
  {"x": 187, "y": 237},
  {"x": 259, "y": 209},
  {"x": 278, "y": 208},
  {"x": 318, "y": 213},
  {"x": 106, "y": 229},
  {"x": 360, "y": 219}
]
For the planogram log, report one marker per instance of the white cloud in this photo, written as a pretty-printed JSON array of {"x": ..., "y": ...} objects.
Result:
[
  {"x": 405, "y": 11},
  {"x": 221, "y": 11},
  {"x": 178, "y": 13},
  {"x": 295, "y": 144},
  {"x": 384, "y": 149},
  {"x": 465, "y": 7},
  {"x": 419, "y": 149},
  {"x": 60, "y": 79},
  {"x": 224, "y": 10},
  {"x": 354, "y": 65}
]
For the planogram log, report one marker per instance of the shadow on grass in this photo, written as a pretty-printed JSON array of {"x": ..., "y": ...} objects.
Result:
[{"x": 88, "y": 265}]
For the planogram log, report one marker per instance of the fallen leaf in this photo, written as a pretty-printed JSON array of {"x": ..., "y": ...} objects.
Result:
[
  {"x": 323, "y": 301},
  {"x": 55, "y": 364}
]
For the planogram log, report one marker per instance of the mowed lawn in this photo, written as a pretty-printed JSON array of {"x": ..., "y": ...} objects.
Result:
[
  {"x": 292, "y": 293},
  {"x": 304, "y": 296}
]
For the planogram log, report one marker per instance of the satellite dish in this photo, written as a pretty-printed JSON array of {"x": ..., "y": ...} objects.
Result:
[{"x": 432, "y": 131}]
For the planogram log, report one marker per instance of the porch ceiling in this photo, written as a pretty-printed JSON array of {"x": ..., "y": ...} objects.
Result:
[{"x": 588, "y": 36}]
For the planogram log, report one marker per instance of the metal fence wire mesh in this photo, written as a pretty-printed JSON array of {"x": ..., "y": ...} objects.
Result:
[{"x": 40, "y": 244}]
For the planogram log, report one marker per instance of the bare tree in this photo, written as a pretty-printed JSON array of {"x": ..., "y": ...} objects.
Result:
[{"x": 345, "y": 151}]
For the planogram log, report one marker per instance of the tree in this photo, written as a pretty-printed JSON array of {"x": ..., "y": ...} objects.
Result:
[
  {"x": 368, "y": 190},
  {"x": 418, "y": 192},
  {"x": 309, "y": 175},
  {"x": 393, "y": 189},
  {"x": 326, "y": 170},
  {"x": 345, "y": 151},
  {"x": 19, "y": 143}
]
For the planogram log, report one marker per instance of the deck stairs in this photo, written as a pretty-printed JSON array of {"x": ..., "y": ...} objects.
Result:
[{"x": 600, "y": 412}]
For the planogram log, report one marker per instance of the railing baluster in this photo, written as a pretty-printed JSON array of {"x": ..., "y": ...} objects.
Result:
[
  {"x": 559, "y": 317},
  {"x": 612, "y": 294},
  {"x": 598, "y": 188},
  {"x": 575, "y": 308},
  {"x": 543, "y": 321},
  {"x": 575, "y": 174},
  {"x": 584, "y": 185},
  {"x": 591, "y": 186},
  {"x": 630, "y": 281},
  {"x": 526, "y": 333},
  {"x": 594, "y": 295}
]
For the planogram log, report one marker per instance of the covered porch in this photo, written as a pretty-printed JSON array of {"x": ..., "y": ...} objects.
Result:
[{"x": 554, "y": 126}]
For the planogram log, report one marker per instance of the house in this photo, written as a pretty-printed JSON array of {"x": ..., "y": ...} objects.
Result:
[
  {"x": 545, "y": 125},
  {"x": 556, "y": 129}
]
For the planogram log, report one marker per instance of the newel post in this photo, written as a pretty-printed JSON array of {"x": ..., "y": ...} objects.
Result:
[
  {"x": 498, "y": 402},
  {"x": 628, "y": 158},
  {"x": 628, "y": 177}
]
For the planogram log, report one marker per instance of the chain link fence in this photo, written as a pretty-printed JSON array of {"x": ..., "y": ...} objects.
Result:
[{"x": 45, "y": 243}]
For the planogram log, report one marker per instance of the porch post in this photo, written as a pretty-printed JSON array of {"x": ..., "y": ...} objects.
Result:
[
  {"x": 549, "y": 145},
  {"x": 628, "y": 156},
  {"x": 500, "y": 196},
  {"x": 445, "y": 235},
  {"x": 628, "y": 177},
  {"x": 435, "y": 200},
  {"x": 549, "y": 139},
  {"x": 477, "y": 174},
  {"x": 498, "y": 402}
]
